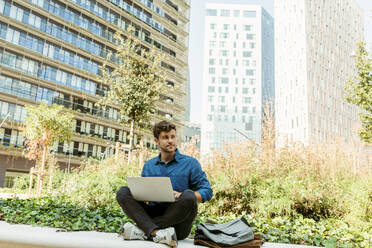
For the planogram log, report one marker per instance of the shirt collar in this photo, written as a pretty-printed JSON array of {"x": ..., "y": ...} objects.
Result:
[{"x": 176, "y": 158}]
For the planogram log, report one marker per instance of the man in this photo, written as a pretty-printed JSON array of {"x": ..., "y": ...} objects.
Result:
[{"x": 165, "y": 222}]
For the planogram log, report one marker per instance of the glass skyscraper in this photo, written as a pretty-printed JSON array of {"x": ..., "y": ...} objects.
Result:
[
  {"x": 238, "y": 77},
  {"x": 51, "y": 51}
]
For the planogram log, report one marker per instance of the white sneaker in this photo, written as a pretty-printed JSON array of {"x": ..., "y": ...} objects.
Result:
[
  {"x": 166, "y": 236},
  {"x": 132, "y": 232}
]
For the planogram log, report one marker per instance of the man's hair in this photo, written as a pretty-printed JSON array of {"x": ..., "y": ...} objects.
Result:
[{"x": 163, "y": 126}]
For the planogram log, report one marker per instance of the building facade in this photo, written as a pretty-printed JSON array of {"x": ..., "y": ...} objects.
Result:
[
  {"x": 192, "y": 130},
  {"x": 314, "y": 41},
  {"x": 238, "y": 73},
  {"x": 51, "y": 51}
]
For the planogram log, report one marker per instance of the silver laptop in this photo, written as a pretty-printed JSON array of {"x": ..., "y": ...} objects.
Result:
[{"x": 155, "y": 189}]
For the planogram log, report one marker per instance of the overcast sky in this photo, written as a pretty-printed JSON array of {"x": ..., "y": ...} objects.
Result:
[{"x": 196, "y": 43}]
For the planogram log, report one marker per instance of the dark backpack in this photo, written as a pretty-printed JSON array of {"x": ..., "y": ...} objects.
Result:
[{"x": 235, "y": 233}]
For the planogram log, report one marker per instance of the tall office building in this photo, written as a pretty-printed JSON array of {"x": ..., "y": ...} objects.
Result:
[
  {"x": 238, "y": 73},
  {"x": 51, "y": 50},
  {"x": 314, "y": 41}
]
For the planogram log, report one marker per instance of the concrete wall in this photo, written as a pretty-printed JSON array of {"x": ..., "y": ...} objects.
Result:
[{"x": 13, "y": 163}]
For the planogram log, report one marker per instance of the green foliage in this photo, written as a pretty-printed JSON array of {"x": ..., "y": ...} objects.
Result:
[
  {"x": 291, "y": 200},
  {"x": 95, "y": 185},
  {"x": 360, "y": 91},
  {"x": 55, "y": 212},
  {"x": 136, "y": 82},
  {"x": 49, "y": 122}
]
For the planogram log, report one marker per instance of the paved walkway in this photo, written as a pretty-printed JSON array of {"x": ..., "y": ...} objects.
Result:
[{"x": 25, "y": 236}]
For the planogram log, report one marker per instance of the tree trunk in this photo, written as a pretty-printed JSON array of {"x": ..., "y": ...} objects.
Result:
[
  {"x": 42, "y": 170},
  {"x": 31, "y": 181},
  {"x": 130, "y": 140}
]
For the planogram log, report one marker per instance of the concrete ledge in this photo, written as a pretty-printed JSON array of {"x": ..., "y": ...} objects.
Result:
[
  {"x": 24, "y": 236},
  {"x": 13, "y": 195}
]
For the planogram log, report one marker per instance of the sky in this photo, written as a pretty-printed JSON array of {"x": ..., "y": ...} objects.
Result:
[{"x": 196, "y": 43}]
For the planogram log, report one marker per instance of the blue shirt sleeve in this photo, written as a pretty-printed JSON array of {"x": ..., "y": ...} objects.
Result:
[
  {"x": 199, "y": 181},
  {"x": 143, "y": 170}
]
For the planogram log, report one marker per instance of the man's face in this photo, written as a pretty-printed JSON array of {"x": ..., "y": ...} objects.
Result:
[{"x": 167, "y": 141}]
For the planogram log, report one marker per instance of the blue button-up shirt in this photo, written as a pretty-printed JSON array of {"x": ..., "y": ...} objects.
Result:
[{"x": 184, "y": 172}]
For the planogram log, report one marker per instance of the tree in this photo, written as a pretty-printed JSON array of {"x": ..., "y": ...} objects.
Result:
[
  {"x": 134, "y": 83},
  {"x": 359, "y": 91},
  {"x": 44, "y": 125}
]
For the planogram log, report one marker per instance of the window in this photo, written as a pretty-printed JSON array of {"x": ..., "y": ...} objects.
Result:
[
  {"x": 222, "y": 44},
  {"x": 210, "y": 98},
  {"x": 212, "y": 43},
  {"x": 211, "y": 12},
  {"x": 225, "y": 12},
  {"x": 211, "y": 89},
  {"x": 249, "y": 72},
  {"x": 247, "y": 27},
  {"x": 249, "y": 126},
  {"x": 252, "y": 45},
  {"x": 247, "y": 99},
  {"x": 221, "y": 99},
  {"x": 236, "y": 13},
  {"x": 224, "y": 80},
  {"x": 212, "y": 61},
  {"x": 209, "y": 117},
  {"x": 225, "y": 26},
  {"x": 223, "y": 53},
  {"x": 222, "y": 108},
  {"x": 224, "y": 71},
  {"x": 224, "y": 35},
  {"x": 245, "y": 110},
  {"x": 246, "y": 62},
  {"x": 247, "y": 54},
  {"x": 245, "y": 90},
  {"x": 249, "y": 13},
  {"x": 250, "y": 36},
  {"x": 212, "y": 26}
]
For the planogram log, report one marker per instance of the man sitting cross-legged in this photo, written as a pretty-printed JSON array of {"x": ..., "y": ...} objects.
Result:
[{"x": 165, "y": 222}]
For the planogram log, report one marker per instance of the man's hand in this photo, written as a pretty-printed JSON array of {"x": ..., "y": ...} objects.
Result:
[
  {"x": 199, "y": 198},
  {"x": 177, "y": 194}
]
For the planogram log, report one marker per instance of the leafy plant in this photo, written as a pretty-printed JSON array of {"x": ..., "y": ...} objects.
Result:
[
  {"x": 135, "y": 83},
  {"x": 44, "y": 125},
  {"x": 360, "y": 91}
]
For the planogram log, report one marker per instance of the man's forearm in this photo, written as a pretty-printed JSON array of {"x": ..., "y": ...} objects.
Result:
[{"x": 199, "y": 198}]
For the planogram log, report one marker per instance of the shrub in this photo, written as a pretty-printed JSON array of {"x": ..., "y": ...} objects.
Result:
[{"x": 305, "y": 195}]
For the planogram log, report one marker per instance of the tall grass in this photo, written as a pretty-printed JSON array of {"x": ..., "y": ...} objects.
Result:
[{"x": 299, "y": 194}]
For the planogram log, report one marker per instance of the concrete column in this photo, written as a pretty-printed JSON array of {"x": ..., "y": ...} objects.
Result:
[{"x": 2, "y": 174}]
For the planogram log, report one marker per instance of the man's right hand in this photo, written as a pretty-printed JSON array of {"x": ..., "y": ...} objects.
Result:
[{"x": 177, "y": 194}]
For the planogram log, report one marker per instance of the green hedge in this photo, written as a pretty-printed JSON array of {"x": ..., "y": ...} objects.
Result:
[
  {"x": 57, "y": 213},
  {"x": 291, "y": 199}
]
